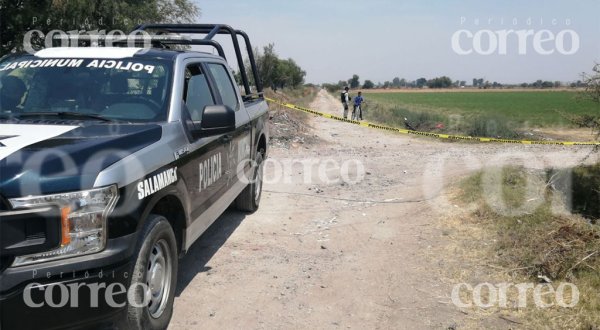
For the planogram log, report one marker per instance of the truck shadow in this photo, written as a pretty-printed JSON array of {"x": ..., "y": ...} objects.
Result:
[{"x": 194, "y": 262}]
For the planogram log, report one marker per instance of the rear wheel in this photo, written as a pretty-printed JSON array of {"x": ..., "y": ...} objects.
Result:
[
  {"x": 154, "y": 277},
  {"x": 249, "y": 198}
]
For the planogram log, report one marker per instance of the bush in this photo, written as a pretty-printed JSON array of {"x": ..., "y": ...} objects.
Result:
[
  {"x": 539, "y": 242},
  {"x": 497, "y": 127},
  {"x": 480, "y": 126},
  {"x": 394, "y": 116},
  {"x": 582, "y": 184}
]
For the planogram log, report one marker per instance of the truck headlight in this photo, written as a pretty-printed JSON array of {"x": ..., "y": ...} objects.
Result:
[{"x": 83, "y": 222}]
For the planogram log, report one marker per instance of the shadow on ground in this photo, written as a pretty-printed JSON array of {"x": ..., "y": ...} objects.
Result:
[{"x": 205, "y": 247}]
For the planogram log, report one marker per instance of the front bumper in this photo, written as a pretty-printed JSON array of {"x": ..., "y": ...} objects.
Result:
[{"x": 72, "y": 293}]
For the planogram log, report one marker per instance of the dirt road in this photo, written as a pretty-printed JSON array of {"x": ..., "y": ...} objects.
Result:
[{"x": 351, "y": 240}]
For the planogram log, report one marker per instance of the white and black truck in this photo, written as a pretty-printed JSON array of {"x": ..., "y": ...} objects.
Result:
[{"x": 113, "y": 161}]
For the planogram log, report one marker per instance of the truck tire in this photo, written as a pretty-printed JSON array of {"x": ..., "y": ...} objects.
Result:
[
  {"x": 249, "y": 198},
  {"x": 155, "y": 268}
]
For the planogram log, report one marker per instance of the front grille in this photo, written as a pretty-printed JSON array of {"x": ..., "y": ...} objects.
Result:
[
  {"x": 5, "y": 262},
  {"x": 29, "y": 231},
  {"x": 4, "y": 205}
]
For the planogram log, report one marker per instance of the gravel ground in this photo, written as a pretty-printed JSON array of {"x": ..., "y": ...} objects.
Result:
[{"x": 347, "y": 235}]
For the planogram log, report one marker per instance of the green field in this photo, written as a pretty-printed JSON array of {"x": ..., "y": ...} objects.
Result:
[{"x": 526, "y": 108}]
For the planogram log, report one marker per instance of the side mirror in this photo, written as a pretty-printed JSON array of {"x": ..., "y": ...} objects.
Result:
[{"x": 216, "y": 119}]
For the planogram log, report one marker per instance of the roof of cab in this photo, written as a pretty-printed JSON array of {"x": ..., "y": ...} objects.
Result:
[{"x": 114, "y": 52}]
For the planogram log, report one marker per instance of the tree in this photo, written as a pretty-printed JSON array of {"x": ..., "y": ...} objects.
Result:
[
  {"x": 275, "y": 72},
  {"x": 17, "y": 17},
  {"x": 368, "y": 84},
  {"x": 592, "y": 83},
  {"x": 288, "y": 74},
  {"x": 354, "y": 82},
  {"x": 440, "y": 82},
  {"x": 478, "y": 82},
  {"x": 387, "y": 84},
  {"x": 547, "y": 84},
  {"x": 421, "y": 82},
  {"x": 592, "y": 93},
  {"x": 335, "y": 87},
  {"x": 396, "y": 82}
]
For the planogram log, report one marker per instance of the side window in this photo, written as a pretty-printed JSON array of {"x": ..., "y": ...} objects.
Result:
[
  {"x": 196, "y": 93},
  {"x": 224, "y": 85}
]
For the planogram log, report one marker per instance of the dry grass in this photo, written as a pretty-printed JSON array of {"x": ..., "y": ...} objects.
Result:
[
  {"x": 524, "y": 248},
  {"x": 290, "y": 127}
]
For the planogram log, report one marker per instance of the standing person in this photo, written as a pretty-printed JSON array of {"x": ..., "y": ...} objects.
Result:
[
  {"x": 357, "y": 112},
  {"x": 345, "y": 96}
]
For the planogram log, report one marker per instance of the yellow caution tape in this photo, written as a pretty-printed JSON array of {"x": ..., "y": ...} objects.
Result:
[{"x": 428, "y": 134}]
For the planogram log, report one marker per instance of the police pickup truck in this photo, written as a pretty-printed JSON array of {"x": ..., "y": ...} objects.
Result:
[{"x": 113, "y": 161}]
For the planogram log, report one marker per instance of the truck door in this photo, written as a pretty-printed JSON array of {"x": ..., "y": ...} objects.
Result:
[
  {"x": 241, "y": 140},
  {"x": 205, "y": 164}
]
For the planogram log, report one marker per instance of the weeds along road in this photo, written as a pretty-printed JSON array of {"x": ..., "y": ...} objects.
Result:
[{"x": 324, "y": 253}]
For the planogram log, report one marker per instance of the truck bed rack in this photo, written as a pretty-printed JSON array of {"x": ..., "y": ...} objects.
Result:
[{"x": 210, "y": 31}]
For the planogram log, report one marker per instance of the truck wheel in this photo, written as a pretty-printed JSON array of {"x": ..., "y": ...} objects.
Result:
[
  {"x": 249, "y": 198},
  {"x": 154, "y": 277}
]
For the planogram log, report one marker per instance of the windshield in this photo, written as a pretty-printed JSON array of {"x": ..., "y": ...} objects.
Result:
[{"x": 130, "y": 89}]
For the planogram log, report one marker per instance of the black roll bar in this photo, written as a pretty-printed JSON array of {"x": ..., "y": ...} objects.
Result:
[{"x": 210, "y": 31}]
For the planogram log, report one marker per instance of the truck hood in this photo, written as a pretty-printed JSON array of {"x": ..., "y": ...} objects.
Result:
[{"x": 43, "y": 159}]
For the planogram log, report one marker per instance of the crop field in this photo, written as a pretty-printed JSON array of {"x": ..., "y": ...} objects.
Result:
[{"x": 523, "y": 108}]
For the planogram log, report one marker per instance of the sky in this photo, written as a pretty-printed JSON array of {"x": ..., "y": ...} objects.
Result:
[{"x": 382, "y": 39}]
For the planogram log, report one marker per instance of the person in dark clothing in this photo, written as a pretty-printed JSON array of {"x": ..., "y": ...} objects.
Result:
[{"x": 345, "y": 101}]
